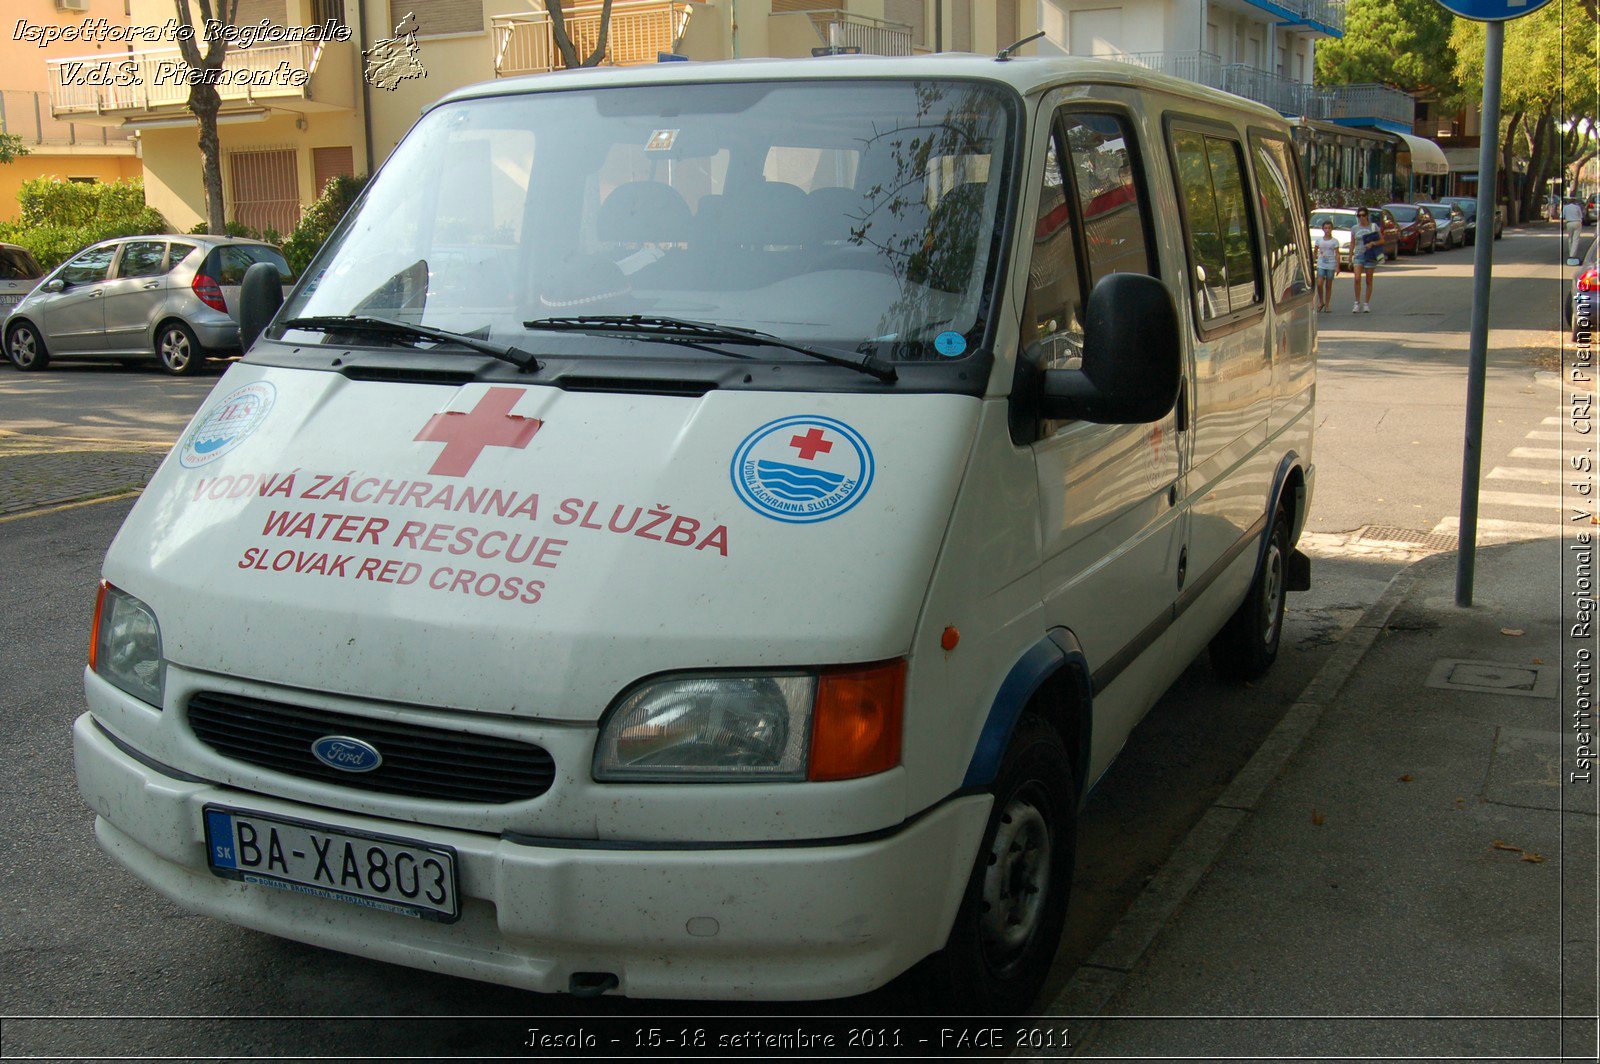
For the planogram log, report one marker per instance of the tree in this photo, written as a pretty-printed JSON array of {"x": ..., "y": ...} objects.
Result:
[
  {"x": 1403, "y": 43},
  {"x": 11, "y": 147},
  {"x": 564, "y": 45},
  {"x": 204, "y": 99},
  {"x": 1550, "y": 81}
]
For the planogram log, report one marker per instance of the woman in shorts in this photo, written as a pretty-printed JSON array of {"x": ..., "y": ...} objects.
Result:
[{"x": 1366, "y": 244}]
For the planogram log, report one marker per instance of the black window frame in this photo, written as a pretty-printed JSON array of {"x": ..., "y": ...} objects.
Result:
[
  {"x": 1235, "y": 320},
  {"x": 1262, "y": 133}
]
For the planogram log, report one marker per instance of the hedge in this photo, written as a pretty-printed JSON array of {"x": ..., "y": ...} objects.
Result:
[{"x": 60, "y": 218}]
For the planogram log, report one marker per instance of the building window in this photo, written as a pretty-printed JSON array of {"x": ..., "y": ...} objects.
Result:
[
  {"x": 435, "y": 18},
  {"x": 329, "y": 163},
  {"x": 265, "y": 189}
]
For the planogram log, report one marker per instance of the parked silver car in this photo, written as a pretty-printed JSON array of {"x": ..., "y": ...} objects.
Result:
[
  {"x": 1452, "y": 232},
  {"x": 19, "y": 273},
  {"x": 171, "y": 298}
]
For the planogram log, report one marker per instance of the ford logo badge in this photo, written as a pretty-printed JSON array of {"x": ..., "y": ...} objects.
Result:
[{"x": 346, "y": 754}]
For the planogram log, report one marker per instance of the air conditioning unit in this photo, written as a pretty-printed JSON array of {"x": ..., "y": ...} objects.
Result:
[{"x": 72, "y": 5}]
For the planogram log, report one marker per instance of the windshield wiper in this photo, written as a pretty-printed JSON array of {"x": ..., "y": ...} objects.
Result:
[
  {"x": 683, "y": 329},
  {"x": 399, "y": 330}
]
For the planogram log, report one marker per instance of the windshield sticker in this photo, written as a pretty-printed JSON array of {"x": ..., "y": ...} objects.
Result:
[
  {"x": 802, "y": 469},
  {"x": 661, "y": 140},
  {"x": 950, "y": 344},
  {"x": 228, "y": 423}
]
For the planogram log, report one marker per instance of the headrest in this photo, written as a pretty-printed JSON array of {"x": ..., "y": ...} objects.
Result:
[{"x": 643, "y": 212}]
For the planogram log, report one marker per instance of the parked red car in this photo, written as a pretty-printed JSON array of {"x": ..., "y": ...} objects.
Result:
[
  {"x": 1417, "y": 228},
  {"x": 1390, "y": 230}
]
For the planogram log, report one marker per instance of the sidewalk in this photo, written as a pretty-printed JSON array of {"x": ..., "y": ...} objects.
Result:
[
  {"x": 39, "y": 470},
  {"x": 1404, "y": 866}
]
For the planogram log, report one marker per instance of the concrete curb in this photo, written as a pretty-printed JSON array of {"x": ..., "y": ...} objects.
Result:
[{"x": 1106, "y": 971}]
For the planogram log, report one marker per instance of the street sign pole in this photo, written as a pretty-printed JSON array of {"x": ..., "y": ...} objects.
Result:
[{"x": 1478, "y": 352}]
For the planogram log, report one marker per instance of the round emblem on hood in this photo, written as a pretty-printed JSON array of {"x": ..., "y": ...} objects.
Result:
[
  {"x": 802, "y": 469},
  {"x": 346, "y": 754},
  {"x": 226, "y": 424}
]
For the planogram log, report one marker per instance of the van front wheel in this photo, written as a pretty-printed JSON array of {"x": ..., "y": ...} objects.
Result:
[
  {"x": 1248, "y": 644},
  {"x": 1010, "y": 921}
]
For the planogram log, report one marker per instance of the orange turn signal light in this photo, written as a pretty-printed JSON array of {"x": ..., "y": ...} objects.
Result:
[
  {"x": 94, "y": 629},
  {"x": 855, "y": 725}
]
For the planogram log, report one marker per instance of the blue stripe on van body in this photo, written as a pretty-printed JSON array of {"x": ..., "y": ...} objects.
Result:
[{"x": 1030, "y": 672}]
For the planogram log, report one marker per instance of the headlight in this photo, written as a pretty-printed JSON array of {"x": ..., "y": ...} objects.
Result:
[
  {"x": 125, "y": 648},
  {"x": 829, "y": 725}
]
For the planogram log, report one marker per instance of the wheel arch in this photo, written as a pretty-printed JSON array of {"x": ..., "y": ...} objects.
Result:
[
  {"x": 1052, "y": 680},
  {"x": 163, "y": 319}
]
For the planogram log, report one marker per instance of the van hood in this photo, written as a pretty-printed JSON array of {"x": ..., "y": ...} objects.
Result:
[{"x": 525, "y": 550}]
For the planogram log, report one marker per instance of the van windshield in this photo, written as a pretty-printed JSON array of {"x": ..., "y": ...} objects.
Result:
[{"x": 857, "y": 216}]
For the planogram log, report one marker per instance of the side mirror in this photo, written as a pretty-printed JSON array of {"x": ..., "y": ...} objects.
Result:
[
  {"x": 54, "y": 284},
  {"x": 260, "y": 296},
  {"x": 1574, "y": 261},
  {"x": 1132, "y": 357}
]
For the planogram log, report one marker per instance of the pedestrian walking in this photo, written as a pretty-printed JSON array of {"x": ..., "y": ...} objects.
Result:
[
  {"x": 1327, "y": 266},
  {"x": 1572, "y": 221},
  {"x": 1366, "y": 242}
]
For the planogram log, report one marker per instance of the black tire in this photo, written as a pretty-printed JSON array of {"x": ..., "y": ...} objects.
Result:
[
  {"x": 179, "y": 353},
  {"x": 25, "y": 347},
  {"x": 993, "y": 965},
  {"x": 1248, "y": 644}
]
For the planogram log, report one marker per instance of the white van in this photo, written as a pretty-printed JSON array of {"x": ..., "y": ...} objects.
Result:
[{"x": 698, "y": 531}]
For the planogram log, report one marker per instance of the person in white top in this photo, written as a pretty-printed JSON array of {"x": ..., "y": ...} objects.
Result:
[
  {"x": 1327, "y": 266},
  {"x": 1572, "y": 221}
]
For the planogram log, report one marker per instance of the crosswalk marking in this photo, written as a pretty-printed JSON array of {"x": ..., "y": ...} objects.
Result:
[
  {"x": 1552, "y": 474},
  {"x": 1545, "y": 436},
  {"x": 1536, "y": 452},
  {"x": 1517, "y": 498},
  {"x": 1492, "y": 527}
]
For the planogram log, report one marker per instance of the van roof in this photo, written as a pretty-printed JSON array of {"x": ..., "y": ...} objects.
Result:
[{"x": 1025, "y": 74}]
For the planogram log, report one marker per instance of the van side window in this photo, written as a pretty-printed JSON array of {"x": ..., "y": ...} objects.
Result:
[
  {"x": 1055, "y": 285},
  {"x": 1226, "y": 278},
  {"x": 1288, "y": 253},
  {"x": 1108, "y": 194}
]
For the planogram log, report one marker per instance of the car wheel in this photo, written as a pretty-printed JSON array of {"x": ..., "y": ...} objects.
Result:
[
  {"x": 26, "y": 349},
  {"x": 1248, "y": 643},
  {"x": 1009, "y": 924},
  {"x": 180, "y": 353}
]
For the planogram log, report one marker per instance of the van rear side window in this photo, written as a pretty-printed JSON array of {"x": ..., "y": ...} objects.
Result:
[
  {"x": 1283, "y": 208},
  {"x": 1222, "y": 252}
]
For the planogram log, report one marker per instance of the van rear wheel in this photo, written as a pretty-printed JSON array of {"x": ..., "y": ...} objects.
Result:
[
  {"x": 1248, "y": 644},
  {"x": 1009, "y": 924}
]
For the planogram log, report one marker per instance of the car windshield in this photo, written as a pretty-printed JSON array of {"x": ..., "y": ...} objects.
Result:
[
  {"x": 850, "y": 215},
  {"x": 1340, "y": 219},
  {"x": 1403, "y": 214},
  {"x": 1467, "y": 207}
]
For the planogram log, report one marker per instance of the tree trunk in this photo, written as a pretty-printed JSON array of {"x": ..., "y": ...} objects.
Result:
[
  {"x": 600, "y": 41},
  {"x": 205, "y": 102},
  {"x": 1539, "y": 160},
  {"x": 558, "y": 30},
  {"x": 1507, "y": 157}
]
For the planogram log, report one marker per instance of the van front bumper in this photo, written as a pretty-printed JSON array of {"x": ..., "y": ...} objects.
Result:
[{"x": 829, "y": 919}]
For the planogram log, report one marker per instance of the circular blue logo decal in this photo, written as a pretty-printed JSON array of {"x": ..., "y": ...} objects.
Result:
[
  {"x": 802, "y": 469},
  {"x": 950, "y": 344},
  {"x": 346, "y": 754},
  {"x": 227, "y": 424}
]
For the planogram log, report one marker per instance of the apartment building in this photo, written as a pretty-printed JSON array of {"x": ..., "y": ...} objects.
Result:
[{"x": 69, "y": 150}]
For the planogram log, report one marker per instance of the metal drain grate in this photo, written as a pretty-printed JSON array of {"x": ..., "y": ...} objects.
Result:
[{"x": 1411, "y": 537}]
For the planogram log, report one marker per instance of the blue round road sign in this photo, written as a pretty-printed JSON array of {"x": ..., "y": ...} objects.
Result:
[{"x": 1492, "y": 10}]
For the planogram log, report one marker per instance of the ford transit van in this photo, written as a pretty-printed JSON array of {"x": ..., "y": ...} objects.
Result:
[{"x": 699, "y": 531}]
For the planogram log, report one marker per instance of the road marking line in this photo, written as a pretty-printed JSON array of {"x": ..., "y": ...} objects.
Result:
[
  {"x": 1536, "y": 452},
  {"x": 1452, "y": 526},
  {"x": 1517, "y": 498},
  {"x": 70, "y": 505},
  {"x": 1523, "y": 473},
  {"x": 1545, "y": 436}
]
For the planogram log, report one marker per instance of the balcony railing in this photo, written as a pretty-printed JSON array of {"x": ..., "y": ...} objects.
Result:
[
  {"x": 1325, "y": 15},
  {"x": 27, "y": 115},
  {"x": 157, "y": 78},
  {"x": 872, "y": 36},
  {"x": 639, "y": 31},
  {"x": 1370, "y": 100},
  {"x": 1285, "y": 94}
]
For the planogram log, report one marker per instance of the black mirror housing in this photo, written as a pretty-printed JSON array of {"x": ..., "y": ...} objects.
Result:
[
  {"x": 260, "y": 296},
  {"x": 1132, "y": 357}
]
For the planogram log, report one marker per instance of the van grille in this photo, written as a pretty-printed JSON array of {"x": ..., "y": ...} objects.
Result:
[{"x": 418, "y": 761}]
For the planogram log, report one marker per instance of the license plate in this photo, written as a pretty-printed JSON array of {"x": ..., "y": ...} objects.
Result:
[
  {"x": 379, "y": 871},
  {"x": 9, "y": 300}
]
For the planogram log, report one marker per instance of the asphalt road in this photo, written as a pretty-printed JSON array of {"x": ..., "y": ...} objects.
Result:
[{"x": 82, "y": 938}]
